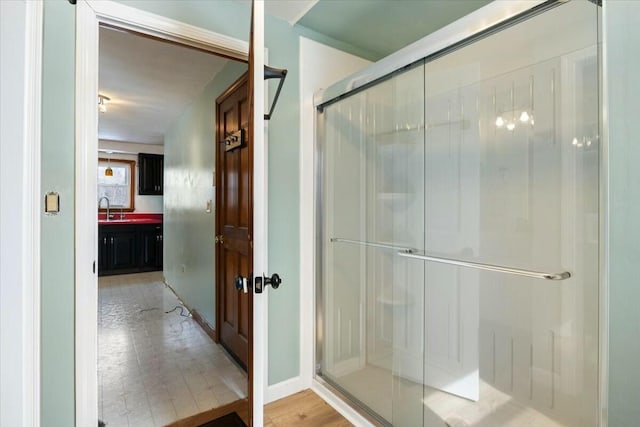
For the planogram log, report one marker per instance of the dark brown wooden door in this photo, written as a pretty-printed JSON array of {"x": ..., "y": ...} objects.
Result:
[{"x": 234, "y": 219}]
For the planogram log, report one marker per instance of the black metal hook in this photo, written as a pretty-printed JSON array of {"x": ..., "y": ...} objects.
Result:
[{"x": 274, "y": 73}]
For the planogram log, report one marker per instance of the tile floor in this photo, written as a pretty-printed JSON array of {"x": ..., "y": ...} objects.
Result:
[{"x": 156, "y": 368}]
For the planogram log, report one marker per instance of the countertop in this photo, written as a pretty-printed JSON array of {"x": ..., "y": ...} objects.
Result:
[{"x": 129, "y": 218}]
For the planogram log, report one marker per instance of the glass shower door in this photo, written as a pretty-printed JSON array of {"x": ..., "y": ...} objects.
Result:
[
  {"x": 459, "y": 232},
  {"x": 512, "y": 156},
  {"x": 374, "y": 206}
]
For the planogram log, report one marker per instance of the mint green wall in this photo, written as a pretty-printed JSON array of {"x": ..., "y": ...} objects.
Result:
[
  {"x": 189, "y": 161},
  {"x": 622, "y": 35},
  {"x": 284, "y": 205},
  {"x": 58, "y": 76}
]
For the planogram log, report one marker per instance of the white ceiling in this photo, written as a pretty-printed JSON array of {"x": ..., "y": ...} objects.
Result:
[{"x": 150, "y": 84}]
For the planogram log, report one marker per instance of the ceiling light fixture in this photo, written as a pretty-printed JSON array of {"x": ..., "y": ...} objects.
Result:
[
  {"x": 102, "y": 103},
  {"x": 108, "y": 171}
]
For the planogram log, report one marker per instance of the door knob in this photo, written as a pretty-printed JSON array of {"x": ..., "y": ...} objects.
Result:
[
  {"x": 263, "y": 281},
  {"x": 274, "y": 281},
  {"x": 241, "y": 284}
]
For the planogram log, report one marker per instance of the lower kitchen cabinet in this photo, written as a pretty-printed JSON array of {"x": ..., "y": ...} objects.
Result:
[
  {"x": 129, "y": 248},
  {"x": 151, "y": 247}
]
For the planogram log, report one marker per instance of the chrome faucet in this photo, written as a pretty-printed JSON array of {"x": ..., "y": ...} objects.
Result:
[{"x": 108, "y": 204}]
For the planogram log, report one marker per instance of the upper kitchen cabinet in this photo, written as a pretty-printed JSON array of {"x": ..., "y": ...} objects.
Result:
[{"x": 151, "y": 174}]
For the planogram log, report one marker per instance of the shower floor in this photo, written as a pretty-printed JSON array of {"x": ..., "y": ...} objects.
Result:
[{"x": 372, "y": 385}]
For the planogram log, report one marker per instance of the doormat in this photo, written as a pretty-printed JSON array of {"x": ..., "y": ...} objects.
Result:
[{"x": 229, "y": 420}]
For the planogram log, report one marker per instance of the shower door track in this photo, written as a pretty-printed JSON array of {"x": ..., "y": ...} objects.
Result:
[{"x": 412, "y": 253}]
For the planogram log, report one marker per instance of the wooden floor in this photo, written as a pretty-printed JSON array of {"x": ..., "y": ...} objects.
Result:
[{"x": 304, "y": 409}]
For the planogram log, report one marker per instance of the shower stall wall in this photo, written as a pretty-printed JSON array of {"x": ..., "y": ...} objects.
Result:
[{"x": 458, "y": 231}]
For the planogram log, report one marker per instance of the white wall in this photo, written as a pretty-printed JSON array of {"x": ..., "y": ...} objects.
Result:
[{"x": 129, "y": 151}]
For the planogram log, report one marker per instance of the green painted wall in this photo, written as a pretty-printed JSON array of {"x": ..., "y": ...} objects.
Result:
[
  {"x": 189, "y": 159},
  {"x": 623, "y": 61},
  {"x": 284, "y": 205},
  {"x": 57, "y": 297}
]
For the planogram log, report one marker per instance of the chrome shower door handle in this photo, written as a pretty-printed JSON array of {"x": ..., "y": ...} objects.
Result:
[{"x": 488, "y": 267}]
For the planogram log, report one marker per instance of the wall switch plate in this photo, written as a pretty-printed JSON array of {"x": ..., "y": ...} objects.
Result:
[{"x": 52, "y": 203}]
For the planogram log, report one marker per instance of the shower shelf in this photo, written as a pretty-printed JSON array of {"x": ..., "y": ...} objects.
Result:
[
  {"x": 394, "y": 303},
  {"x": 392, "y": 196}
]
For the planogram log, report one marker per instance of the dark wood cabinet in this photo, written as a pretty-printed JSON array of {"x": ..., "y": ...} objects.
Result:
[
  {"x": 151, "y": 247},
  {"x": 150, "y": 174},
  {"x": 117, "y": 249},
  {"x": 129, "y": 248}
]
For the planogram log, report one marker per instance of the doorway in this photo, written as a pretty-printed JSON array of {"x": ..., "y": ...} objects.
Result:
[
  {"x": 86, "y": 230},
  {"x": 155, "y": 360}
]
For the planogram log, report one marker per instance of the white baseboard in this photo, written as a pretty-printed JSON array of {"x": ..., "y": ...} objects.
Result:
[
  {"x": 283, "y": 389},
  {"x": 339, "y": 405}
]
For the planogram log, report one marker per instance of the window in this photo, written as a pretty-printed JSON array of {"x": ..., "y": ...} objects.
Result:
[{"x": 118, "y": 188}]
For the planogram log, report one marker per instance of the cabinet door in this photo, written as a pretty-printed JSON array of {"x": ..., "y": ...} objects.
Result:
[
  {"x": 160, "y": 174},
  {"x": 149, "y": 242},
  {"x": 150, "y": 174},
  {"x": 103, "y": 252},
  {"x": 123, "y": 249},
  {"x": 159, "y": 246}
]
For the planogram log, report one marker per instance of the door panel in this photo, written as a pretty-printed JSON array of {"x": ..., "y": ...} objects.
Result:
[
  {"x": 123, "y": 249},
  {"x": 234, "y": 221}
]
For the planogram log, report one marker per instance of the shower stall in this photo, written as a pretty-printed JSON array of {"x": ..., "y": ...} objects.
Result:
[{"x": 458, "y": 226}]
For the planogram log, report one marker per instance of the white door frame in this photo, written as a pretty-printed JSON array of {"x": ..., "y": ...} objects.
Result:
[
  {"x": 260, "y": 214},
  {"x": 20, "y": 204},
  {"x": 89, "y": 14}
]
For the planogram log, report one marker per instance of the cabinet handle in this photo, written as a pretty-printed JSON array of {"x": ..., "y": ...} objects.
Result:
[
  {"x": 112, "y": 240},
  {"x": 157, "y": 238},
  {"x": 161, "y": 237},
  {"x": 104, "y": 241}
]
